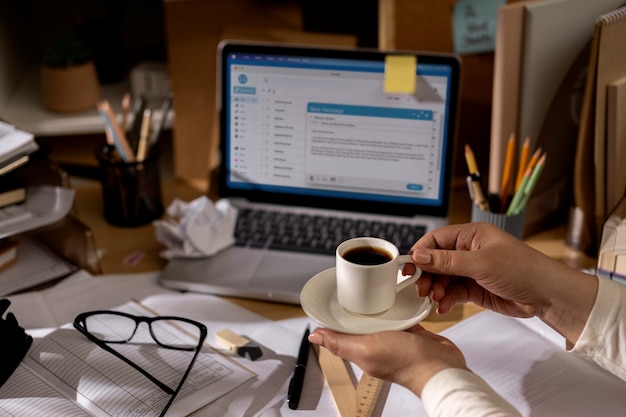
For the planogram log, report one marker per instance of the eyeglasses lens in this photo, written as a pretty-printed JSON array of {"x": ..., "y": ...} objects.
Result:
[
  {"x": 111, "y": 328},
  {"x": 162, "y": 333}
]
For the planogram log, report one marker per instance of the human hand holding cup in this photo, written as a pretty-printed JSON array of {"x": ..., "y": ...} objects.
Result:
[{"x": 367, "y": 274}]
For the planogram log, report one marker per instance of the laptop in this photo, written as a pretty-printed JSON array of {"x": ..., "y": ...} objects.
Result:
[{"x": 310, "y": 140}]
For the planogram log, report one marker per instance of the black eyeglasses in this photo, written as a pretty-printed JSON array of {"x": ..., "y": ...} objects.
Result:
[
  {"x": 14, "y": 342},
  {"x": 104, "y": 326}
]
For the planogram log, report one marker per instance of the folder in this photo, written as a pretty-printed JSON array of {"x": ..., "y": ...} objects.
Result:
[
  {"x": 507, "y": 66},
  {"x": 611, "y": 65},
  {"x": 581, "y": 232},
  {"x": 607, "y": 64},
  {"x": 615, "y": 142}
]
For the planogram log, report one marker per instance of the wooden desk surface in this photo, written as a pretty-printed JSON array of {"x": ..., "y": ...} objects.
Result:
[{"x": 118, "y": 246}]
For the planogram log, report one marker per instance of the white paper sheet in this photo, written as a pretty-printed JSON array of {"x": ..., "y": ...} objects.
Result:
[{"x": 525, "y": 362}]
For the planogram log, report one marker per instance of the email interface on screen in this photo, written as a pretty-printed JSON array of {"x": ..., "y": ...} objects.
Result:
[{"x": 326, "y": 127}]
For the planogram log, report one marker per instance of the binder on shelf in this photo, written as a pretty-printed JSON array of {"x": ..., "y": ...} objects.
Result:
[
  {"x": 507, "y": 64},
  {"x": 615, "y": 141},
  {"x": 607, "y": 66},
  {"x": 611, "y": 65}
]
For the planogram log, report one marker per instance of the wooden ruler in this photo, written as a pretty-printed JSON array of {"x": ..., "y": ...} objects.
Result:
[{"x": 351, "y": 401}]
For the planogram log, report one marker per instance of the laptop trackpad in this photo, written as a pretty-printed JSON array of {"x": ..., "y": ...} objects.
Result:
[{"x": 288, "y": 271}]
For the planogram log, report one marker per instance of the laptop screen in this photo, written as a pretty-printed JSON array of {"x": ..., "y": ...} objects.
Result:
[{"x": 313, "y": 126}]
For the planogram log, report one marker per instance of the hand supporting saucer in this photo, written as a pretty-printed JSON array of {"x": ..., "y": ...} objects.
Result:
[{"x": 319, "y": 301}]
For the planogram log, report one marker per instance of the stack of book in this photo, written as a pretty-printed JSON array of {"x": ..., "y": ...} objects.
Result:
[
  {"x": 15, "y": 148},
  {"x": 12, "y": 191}
]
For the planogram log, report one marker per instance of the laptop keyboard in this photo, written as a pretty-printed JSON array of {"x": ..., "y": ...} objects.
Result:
[{"x": 315, "y": 234}]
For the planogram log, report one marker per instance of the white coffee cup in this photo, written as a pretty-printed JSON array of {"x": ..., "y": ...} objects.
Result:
[{"x": 367, "y": 274}]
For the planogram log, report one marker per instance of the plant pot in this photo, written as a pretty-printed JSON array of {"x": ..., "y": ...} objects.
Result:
[{"x": 70, "y": 89}]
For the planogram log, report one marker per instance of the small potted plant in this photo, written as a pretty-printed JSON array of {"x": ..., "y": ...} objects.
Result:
[{"x": 69, "y": 81}]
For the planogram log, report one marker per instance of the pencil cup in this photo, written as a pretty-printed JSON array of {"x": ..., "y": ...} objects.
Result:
[
  {"x": 512, "y": 224},
  {"x": 131, "y": 192}
]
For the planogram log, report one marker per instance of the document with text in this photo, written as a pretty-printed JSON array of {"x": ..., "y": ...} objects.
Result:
[
  {"x": 526, "y": 362},
  {"x": 66, "y": 374}
]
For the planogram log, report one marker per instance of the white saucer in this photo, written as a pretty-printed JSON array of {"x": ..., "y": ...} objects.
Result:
[{"x": 319, "y": 301}]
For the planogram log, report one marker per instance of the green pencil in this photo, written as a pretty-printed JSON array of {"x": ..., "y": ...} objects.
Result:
[
  {"x": 519, "y": 194},
  {"x": 530, "y": 185}
]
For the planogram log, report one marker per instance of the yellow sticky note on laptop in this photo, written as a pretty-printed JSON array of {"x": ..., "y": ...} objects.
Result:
[{"x": 400, "y": 73}]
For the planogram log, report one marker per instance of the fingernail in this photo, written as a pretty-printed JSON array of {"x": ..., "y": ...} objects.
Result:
[
  {"x": 315, "y": 338},
  {"x": 422, "y": 257}
]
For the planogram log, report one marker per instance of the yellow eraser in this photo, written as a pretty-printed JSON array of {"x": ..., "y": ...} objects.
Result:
[{"x": 231, "y": 340}]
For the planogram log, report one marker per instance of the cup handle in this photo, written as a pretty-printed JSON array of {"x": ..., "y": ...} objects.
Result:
[{"x": 404, "y": 259}]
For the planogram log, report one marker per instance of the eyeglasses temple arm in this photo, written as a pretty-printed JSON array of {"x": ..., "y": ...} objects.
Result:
[{"x": 128, "y": 361}]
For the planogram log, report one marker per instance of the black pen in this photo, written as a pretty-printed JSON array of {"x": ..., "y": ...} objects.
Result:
[{"x": 297, "y": 380}]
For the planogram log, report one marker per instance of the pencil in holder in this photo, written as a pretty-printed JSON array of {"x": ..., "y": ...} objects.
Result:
[
  {"x": 131, "y": 191},
  {"x": 513, "y": 224}
]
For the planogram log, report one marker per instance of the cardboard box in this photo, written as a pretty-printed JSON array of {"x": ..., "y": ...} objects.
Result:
[{"x": 194, "y": 29}]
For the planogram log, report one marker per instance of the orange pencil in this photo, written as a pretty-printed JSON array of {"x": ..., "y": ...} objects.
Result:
[
  {"x": 505, "y": 185},
  {"x": 534, "y": 158},
  {"x": 523, "y": 159}
]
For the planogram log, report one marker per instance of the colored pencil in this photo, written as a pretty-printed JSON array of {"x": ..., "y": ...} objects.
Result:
[
  {"x": 119, "y": 138},
  {"x": 530, "y": 185},
  {"x": 534, "y": 158},
  {"x": 505, "y": 185},
  {"x": 146, "y": 121},
  {"x": 522, "y": 163},
  {"x": 519, "y": 194}
]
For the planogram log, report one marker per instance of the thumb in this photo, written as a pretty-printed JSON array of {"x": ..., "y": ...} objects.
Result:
[
  {"x": 339, "y": 344},
  {"x": 441, "y": 261},
  {"x": 325, "y": 338}
]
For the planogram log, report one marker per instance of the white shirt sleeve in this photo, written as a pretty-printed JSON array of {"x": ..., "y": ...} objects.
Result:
[
  {"x": 603, "y": 339},
  {"x": 457, "y": 392}
]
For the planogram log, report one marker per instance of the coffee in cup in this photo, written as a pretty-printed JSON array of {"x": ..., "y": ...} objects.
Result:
[
  {"x": 367, "y": 274},
  {"x": 367, "y": 255}
]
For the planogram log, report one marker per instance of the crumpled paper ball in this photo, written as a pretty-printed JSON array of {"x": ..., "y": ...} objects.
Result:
[{"x": 196, "y": 229}]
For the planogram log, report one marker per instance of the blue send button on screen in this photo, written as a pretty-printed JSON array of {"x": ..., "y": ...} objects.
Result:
[
  {"x": 415, "y": 187},
  {"x": 244, "y": 90}
]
